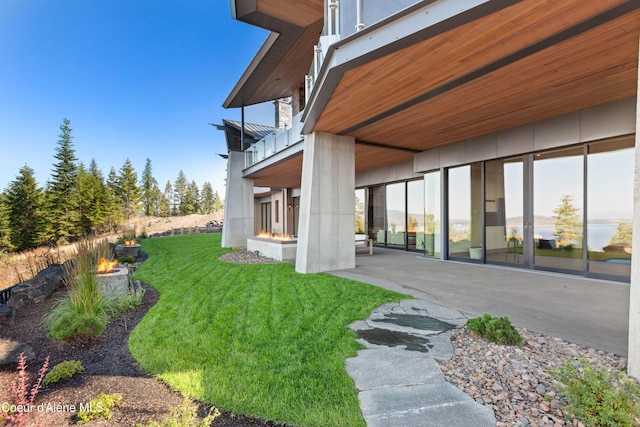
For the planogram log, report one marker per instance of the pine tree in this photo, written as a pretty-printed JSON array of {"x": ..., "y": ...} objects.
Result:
[
  {"x": 128, "y": 191},
  {"x": 114, "y": 215},
  {"x": 93, "y": 199},
  {"x": 180, "y": 194},
  {"x": 217, "y": 202},
  {"x": 62, "y": 190},
  {"x": 5, "y": 224},
  {"x": 149, "y": 190},
  {"x": 568, "y": 223},
  {"x": 207, "y": 198},
  {"x": 167, "y": 199},
  {"x": 24, "y": 199}
]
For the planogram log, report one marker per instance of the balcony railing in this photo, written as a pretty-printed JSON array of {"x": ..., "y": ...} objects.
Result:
[
  {"x": 271, "y": 144},
  {"x": 346, "y": 17}
]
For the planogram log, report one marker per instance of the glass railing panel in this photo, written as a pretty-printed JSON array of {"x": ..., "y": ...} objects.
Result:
[{"x": 372, "y": 11}]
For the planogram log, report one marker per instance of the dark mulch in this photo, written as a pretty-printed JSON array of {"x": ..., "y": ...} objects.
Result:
[{"x": 109, "y": 368}]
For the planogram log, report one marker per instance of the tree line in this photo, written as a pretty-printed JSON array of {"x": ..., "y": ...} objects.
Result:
[{"x": 78, "y": 200}]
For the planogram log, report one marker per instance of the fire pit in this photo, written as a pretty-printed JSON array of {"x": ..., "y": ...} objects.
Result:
[
  {"x": 113, "y": 281},
  {"x": 276, "y": 246},
  {"x": 128, "y": 248}
]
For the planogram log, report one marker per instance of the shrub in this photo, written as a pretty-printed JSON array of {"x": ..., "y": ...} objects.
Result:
[
  {"x": 85, "y": 309},
  {"x": 21, "y": 393},
  {"x": 597, "y": 396},
  {"x": 100, "y": 407},
  {"x": 495, "y": 329},
  {"x": 127, "y": 303},
  {"x": 127, "y": 259},
  {"x": 62, "y": 370},
  {"x": 184, "y": 416}
]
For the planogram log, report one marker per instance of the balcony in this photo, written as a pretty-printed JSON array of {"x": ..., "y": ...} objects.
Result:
[
  {"x": 274, "y": 143},
  {"x": 344, "y": 18}
]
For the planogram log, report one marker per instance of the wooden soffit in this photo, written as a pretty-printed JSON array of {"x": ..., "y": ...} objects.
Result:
[
  {"x": 285, "y": 57},
  {"x": 529, "y": 61}
]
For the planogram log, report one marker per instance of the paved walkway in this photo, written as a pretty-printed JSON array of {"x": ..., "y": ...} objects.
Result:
[
  {"x": 589, "y": 312},
  {"x": 399, "y": 383}
]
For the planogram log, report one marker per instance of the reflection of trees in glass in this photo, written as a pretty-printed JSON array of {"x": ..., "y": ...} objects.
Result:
[
  {"x": 413, "y": 224},
  {"x": 429, "y": 223},
  {"x": 568, "y": 223},
  {"x": 623, "y": 234},
  {"x": 359, "y": 216}
]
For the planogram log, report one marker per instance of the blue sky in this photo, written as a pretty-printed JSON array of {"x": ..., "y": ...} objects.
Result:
[{"x": 137, "y": 79}]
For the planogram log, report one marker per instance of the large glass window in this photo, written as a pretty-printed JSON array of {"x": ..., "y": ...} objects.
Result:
[
  {"x": 610, "y": 206},
  {"x": 360, "y": 212},
  {"x": 265, "y": 217},
  {"x": 376, "y": 215},
  {"x": 415, "y": 215},
  {"x": 432, "y": 214},
  {"x": 396, "y": 212},
  {"x": 558, "y": 187},
  {"x": 465, "y": 212},
  {"x": 504, "y": 214}
]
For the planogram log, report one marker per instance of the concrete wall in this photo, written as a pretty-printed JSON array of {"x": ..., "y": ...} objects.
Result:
[
  {"x": 239, "y": 207},
  {"x": 326, "y": 238},
  {"x": 600, "y": 122}
]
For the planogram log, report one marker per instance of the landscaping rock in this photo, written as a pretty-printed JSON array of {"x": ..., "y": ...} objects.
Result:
[
  {"x": 7, "y": 314},
  {"x": 127, "y": 250},
  {"x": 39, "y": 288},
  {"x": 10, "y": 350}
]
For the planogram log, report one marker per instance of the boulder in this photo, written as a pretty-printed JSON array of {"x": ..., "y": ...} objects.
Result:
[
  {"x": 39, "y": 288},
  {"x": 10, "y": 350},
  {"x": 7, "y": 314},
  {"x": 127, "y": 250}
]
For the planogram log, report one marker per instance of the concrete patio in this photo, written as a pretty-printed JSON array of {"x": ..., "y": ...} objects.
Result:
[{"x": 589, "y": 312}]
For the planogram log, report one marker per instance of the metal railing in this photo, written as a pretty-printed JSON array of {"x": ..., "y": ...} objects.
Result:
[
  {"x": 344, "y": 18},
  {"x": 277, "y": 141}
]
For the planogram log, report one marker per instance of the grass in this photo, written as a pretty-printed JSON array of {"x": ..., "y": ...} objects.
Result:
[{"x": 259, "y": 340}]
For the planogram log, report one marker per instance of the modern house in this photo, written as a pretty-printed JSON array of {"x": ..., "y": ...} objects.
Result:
[{"x": 486, "y": 131}]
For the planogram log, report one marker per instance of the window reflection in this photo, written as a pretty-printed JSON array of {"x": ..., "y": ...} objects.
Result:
[
  {"x": 465, "y": 212},
  {"x": 432, "y": 219},
  {"x": 610, "y": 206}
]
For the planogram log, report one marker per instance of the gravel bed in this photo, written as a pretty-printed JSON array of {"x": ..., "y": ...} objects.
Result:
[
  {"x": 514, "y": 381},
  {"x": 246, "y": 257}
]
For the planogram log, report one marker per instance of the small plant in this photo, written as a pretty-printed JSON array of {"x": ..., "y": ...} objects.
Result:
[
  {"x": 184, "y": 416},
  {"x": 495, "y": 329},
  {"x": 100, "y": 407},
  {"x": 127, "y": 259},
  {"x": 597, "y": 396},
  {"x": 62, "y": 370},
  {"x": 18, "y": 414},
  {"x": 128, "y": 302}
]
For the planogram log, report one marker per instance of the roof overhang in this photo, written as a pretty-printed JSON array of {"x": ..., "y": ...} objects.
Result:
[
  {"x": 286, "y": 55},
  {"x": 495, "y": 66}
]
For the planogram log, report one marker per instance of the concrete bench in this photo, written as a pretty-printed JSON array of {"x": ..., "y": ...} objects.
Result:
[{"x": 362, "y": 241}]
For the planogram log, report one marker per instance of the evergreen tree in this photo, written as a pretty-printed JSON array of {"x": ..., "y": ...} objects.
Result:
[
  {"x": 190, "y": 201},
  {"x": 112, "y": 203},
  {"x": 167, "y": 199},
  {"x": 568, "y": 223},
  {"x": 24, "y": 199},
  {"x": 624, "y": 234},
  {"x": 217, "y": 202},
  {"x": 180, "y": 194},
  {"x": 207, "y": 198},
  {"x": 62, "y": 190},
  {"x": 5, "y": 224},
  {"x": 92, "y": 196},
  {"x": 128, "y": 191},
  {"x": 149, "y": 190}
]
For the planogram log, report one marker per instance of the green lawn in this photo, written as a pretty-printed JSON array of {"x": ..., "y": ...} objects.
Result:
[{"x": 260, "y": 340}]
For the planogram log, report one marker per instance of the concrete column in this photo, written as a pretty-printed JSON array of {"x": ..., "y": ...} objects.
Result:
[
  {"x": 327, "y": 204},
  {"x": 633, "y": 366},
  {"x": 238, "y": 204}
]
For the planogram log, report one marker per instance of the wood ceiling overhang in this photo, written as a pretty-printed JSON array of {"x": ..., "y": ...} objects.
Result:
[
  {"x": 528, "y": 61},
  {"x": 286, "y": 55}
]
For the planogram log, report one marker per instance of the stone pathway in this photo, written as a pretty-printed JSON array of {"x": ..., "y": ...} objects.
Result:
[{"x": 399, "y": 383}]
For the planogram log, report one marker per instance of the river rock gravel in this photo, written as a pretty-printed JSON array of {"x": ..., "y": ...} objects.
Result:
[
  {"x": 247, "y": 257},
  {"x": 515, "y": 381}
]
